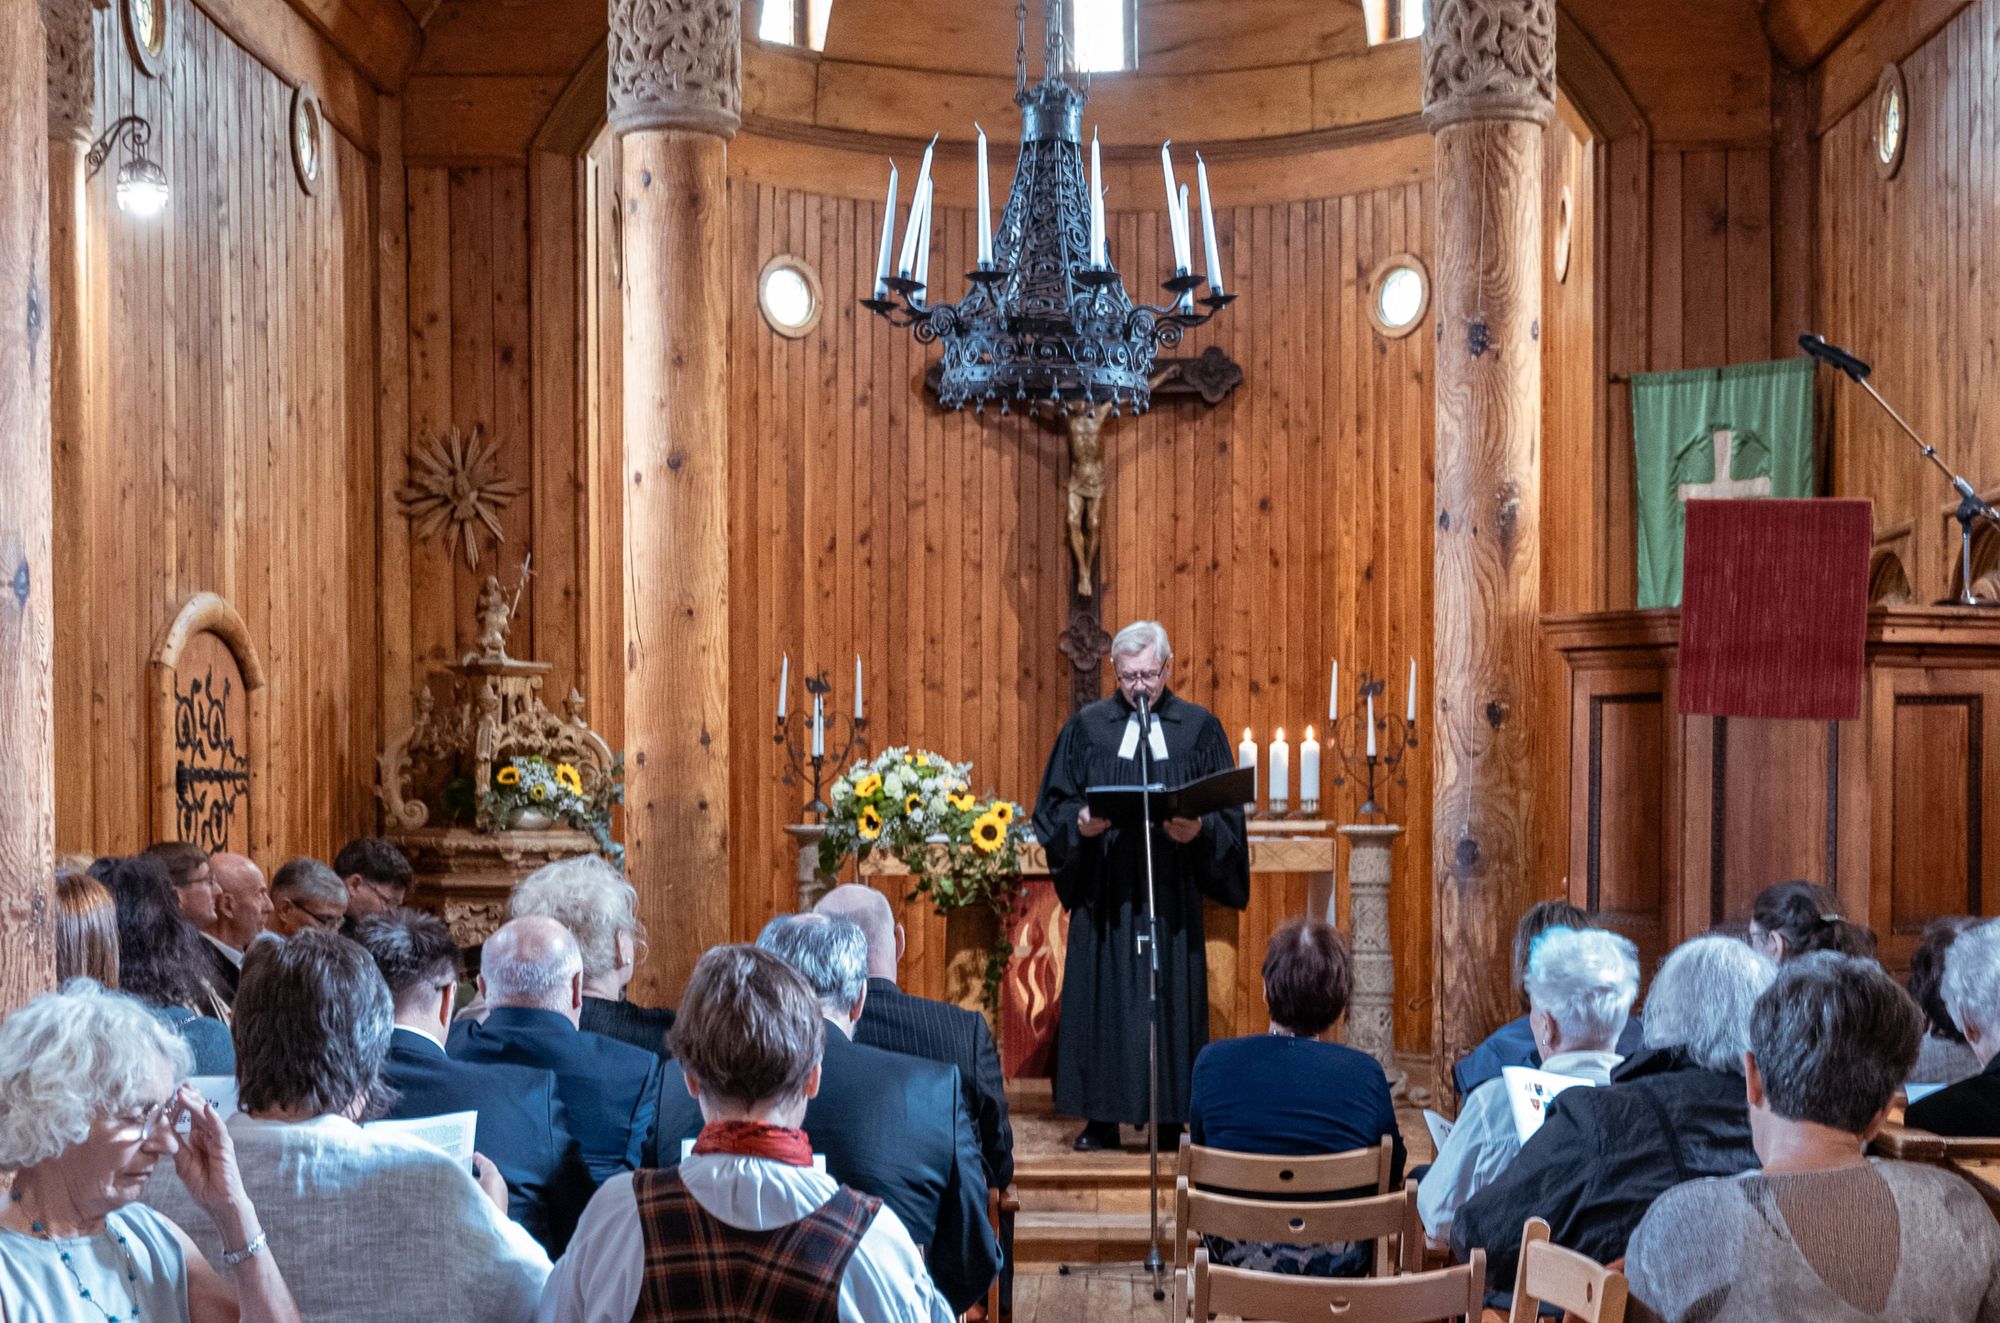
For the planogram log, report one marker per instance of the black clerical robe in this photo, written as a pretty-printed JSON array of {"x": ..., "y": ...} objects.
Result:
[{"x": 1101, "y": 1037}]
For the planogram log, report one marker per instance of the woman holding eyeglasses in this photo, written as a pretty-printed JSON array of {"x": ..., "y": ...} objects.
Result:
[{"x": 91, "y": 1090}]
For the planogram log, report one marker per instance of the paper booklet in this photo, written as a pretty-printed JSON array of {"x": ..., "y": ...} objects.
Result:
[
  {"x": 219, "y": 1091},
  {"x": 1919, "y": 1092},
  {"x": 1528, "y": 1093},
  {"x": 1232, "y": 788},
  {"x": 1439, "y": 1127},
  {"x": 452, "y": 1133}
]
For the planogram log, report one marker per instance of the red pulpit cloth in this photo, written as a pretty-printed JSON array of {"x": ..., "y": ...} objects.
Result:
[{"x": 1774, "y": 609}]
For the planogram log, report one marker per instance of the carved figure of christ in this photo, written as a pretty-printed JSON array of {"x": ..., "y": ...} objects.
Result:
[{"x": 1722, "y": 487}]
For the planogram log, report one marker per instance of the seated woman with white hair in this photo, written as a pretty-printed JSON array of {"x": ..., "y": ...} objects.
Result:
[
  {"x": 594, "y": 901},
  {"x": 91, "y": 1090},
  {"x": 1971, "y": 993},
  {"x": 1580, "y": 985},
  {"x": 375, "y": 1227}
]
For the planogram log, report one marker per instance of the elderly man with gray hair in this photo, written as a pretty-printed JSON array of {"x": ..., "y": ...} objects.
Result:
[
  {"x": 1671, "y": 1113},
  {"x": 1581, "y": 984},
  {"x": 1971, "y": 993},
  {"x": 531, "y": 977},
  {"x": 889, "y": 1125},
  {"x": 305, "y": 893},
  {"x": 600, "y": 908}
]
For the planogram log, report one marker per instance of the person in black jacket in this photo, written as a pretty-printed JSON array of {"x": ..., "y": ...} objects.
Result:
[
  {"x": 521, "y": 1130},
  {"x": 1971, "y": 992},
  {"x": 586, "y": 895},
  {"x": 1674, "y": 1112},
  {"x": 889, "y": 1125}
]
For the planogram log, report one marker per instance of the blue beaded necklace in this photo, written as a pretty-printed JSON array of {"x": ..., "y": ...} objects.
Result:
[{"x": 124, "y": 1248}]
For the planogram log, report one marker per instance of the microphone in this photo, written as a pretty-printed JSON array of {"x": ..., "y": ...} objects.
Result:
[{"x": 1834, "y": 356}]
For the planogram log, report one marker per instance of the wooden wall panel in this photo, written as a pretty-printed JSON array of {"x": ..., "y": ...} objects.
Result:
[{"x": 233, "y": 444}]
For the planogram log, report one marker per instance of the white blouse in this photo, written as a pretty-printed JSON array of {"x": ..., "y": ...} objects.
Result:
[{"x": 36, "y": 1286}]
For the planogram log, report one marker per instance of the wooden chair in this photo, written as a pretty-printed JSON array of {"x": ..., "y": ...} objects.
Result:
[
  {"x": 1382, "y": 1218},
  {"x": 1552, "y": 1275},
  {"x": 1199, "y": 1167},
  {"x": 1416, "y": 1298}
]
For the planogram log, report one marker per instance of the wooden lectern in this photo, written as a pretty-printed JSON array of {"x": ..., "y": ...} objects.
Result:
[{"x": 1676, "y": 823}]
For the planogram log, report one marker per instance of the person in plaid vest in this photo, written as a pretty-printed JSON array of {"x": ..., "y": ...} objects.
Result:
[{"x": 747, "y": 1227}]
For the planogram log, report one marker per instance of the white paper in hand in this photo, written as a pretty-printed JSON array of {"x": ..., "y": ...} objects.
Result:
[
  {"x": 451, "y": 1133},
  {"x": 1439, "y": 1127},
  {"x": 1529, "y": 1092},
  {"x": 219, "y": 1091}
]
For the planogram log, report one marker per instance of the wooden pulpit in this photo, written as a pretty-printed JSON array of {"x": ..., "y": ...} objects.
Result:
[{"x": 1677, "y": 822}]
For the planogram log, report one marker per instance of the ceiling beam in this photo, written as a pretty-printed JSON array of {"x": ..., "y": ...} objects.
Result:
[{"x": 1803, "y": 31}]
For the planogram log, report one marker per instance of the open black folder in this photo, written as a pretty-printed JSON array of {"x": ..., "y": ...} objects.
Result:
[{"x": 1207, "y": 794}]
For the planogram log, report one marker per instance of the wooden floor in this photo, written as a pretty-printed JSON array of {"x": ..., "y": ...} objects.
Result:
[{"x": 1047, "y": 1296}]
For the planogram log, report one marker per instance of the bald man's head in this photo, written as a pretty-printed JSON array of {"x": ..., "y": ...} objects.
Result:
[
  {"x": 242, "y": 900},
  {"x": 533, "y": 962},
  {"x": 869, "y": 910}
]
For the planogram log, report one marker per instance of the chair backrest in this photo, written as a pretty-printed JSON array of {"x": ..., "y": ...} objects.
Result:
[
  {"x": 1309, "y": 1174},
  {"x": 1417, "y": 1298},
  {"x": 1551, "y": 1275},
  {"x": 1382, "y": 1218}
]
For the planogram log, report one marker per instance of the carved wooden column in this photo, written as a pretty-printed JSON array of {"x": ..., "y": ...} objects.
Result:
[
  {"x": 72, "y": 84},
  {"x": 27, "y": 808},
  {"x": 675, "y": 99},
  {"x": 1489, "y": 87}
]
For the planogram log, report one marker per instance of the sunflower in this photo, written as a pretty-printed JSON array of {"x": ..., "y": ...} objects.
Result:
[
  {"x": 570, "y": 779},
  {"x": 508, "y": 776},
  {"x": 988, "y": 834},
  {"x": 868, "y": 786},
  {"x": 962, "y": 802},
  {"x": 869, "y": 824},
  {"x": 1002, "y": 812},
  {"x": 539, "y": 791},
  {"x": 913, "y": 803}
]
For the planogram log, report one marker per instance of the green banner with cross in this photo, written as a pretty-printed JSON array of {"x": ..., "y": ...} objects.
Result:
[{"x": 1714, "y": 434}]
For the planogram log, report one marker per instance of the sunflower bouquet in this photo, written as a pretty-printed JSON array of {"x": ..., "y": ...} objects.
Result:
[
  {"x": 532, "y": 786},
  {"x": 962, "y": 849}
]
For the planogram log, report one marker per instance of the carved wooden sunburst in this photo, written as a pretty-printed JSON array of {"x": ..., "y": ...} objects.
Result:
[{"x": 455, "y": 486}]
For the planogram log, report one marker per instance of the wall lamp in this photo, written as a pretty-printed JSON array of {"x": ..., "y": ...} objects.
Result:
[{"x": 142, "y": 185}]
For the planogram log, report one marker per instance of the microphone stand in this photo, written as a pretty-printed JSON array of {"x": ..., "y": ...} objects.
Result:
[
  {"x": 1149, "y": 946},
  {"x": 1971, "y": 506}
]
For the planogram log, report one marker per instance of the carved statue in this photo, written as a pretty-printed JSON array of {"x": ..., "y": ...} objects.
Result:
[
  {"x": 1086, "y": 492},
  {"x": 495, "y": 618}
]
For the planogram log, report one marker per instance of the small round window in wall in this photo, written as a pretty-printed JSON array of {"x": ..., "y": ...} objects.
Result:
[
  {"x": 788, "y": 294},
  {"x": 1399, "y": 295},
  {"x": 146, "y": 26},
  {"x": 1892, "y": 121}
]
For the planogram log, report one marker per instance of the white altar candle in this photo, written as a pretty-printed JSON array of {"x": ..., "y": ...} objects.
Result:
[
  {"x": 1097, "y": 257},
  {"x": 1246, "y": 756},
  {"x": 1333, "y": 695},
  {"x": 1186, "y": 259},
  {"x": 1371, "y": 725},
  {"x": 1281, "y": 771},
  {"x": 784, "y": 683},
  {"x": 1309, "y": 770},
  {"x": 857, "y": 687},
  {"x": 1411, "y": 715},
  {"x": 985, "y": 205},
  {"x": 1180, "y": 239},
  {"x": 888, "y": 238},
  {"x": 819, "y": 726},
  {"x": 1211, "y": 248},
  {"x": 923, "y": 276},
  {"x": 912, "y": 228}
]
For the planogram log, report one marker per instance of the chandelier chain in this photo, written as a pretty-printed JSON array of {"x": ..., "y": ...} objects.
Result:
[{"x": 1020, "y": 50}]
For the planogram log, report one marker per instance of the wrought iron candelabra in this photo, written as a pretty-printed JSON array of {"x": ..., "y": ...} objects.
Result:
[
  {"x": 840, "y": 738},
  {"x": 1395, "y": 735}
]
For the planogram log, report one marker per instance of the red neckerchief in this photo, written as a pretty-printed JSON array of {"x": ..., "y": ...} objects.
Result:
[{"x": 754, "y": 1139}]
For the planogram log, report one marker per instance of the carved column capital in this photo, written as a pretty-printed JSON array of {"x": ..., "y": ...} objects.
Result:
[
  {"x": 676, "y": 64},
  {"x": 1489, "y": 59},
  {"x": 72, "y": 67}
]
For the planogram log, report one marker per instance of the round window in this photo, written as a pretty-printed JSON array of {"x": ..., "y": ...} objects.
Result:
[
  {"x": 788, "y": 294},
  {"x": 1892, "y": 120},
  {"x": 146, "y": 23},
  {"x": 1399, "y": 295}
]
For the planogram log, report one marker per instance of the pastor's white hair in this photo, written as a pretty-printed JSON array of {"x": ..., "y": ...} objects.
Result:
[
  {"x": 530, "y": 962},
  {"x": 1702, "y": 998},
  {"x": 1971, "y": 986},
  {"x": 70, "y": 1057},
  {"x": 590, "y": 898},
  {"x": 1587, "y": 979},
  {"x": 1140, "y": 635}
]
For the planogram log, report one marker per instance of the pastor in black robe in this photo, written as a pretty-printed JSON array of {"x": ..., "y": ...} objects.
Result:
[{"x": 1101, "y": 1037}]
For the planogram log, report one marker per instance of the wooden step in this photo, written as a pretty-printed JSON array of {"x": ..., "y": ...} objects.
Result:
[{"x": 1084, "y": 1237}]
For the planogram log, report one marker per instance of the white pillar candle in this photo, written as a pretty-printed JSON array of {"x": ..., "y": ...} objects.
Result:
[
  {"x": 985, "y": 217},
  {"x": 1212, "y": 249},
  {"x": 819, "y": 726},
  {"x": 1371, "y": 725},
  {"x": 1281, "y": 771},
  {"x": 1333, "y": 696},
  {"x": 888, "y": 238},
  {"x": 906, "y": 265},
  {"x": 1411, "y": 715},
  {"x": 1174, "y": 207},
  {"x": 1097, "y": 257},
  {"x": 784, "y": 683},
  {"x": 1309, "y": 769},
  {"x": 1185, "y": 259},
  {"x": 1246, "y": 756},
  {"x": 857, "y": 687},
  {"x": 923, "y": 276}
]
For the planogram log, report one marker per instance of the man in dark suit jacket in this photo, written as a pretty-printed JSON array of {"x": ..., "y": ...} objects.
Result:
[
  {"x": 898, "y": 1021},
  {"x": 242, "y": 904},
  {"x": 531, "y": 977},
  {"x": 522, "y": 1130},
  {"x": 889, "y": 1125}
]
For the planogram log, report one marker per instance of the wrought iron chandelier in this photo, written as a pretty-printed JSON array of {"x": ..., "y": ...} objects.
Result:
[{"x": 1047, "y": 321}]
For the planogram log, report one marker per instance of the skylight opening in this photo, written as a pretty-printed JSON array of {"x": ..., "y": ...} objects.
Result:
[
  {"x": 794, "y": 23},
  {"x": 1104, "y": 35}
]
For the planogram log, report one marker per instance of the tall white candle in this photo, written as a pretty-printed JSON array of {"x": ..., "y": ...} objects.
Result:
[
  {"x": 819, "y": 726},
  {"x": 1309, "y": 770},
  {"x": 1096, "y": 204},
  {"x": 923, "y": 276},
  {"x": 1211, "y": 248},
  {"x": 1174, "y": 207},
  {"x": 1411, "y": 715},
  {"x": 857, "y": 687},
  {"x": 906, "y": 265},
  {"x": 1186, "y": 260},
  {"x": 1333, "y": 695},
  {"x": 985, "y": 217},
  {"x": 888, "y": 238},
  {"x": 784, "y": 683},
  {"x": 1246, "y": 756},
  {"x": 1371, "y": 725},
  {"x": 1281, "y": 771}
]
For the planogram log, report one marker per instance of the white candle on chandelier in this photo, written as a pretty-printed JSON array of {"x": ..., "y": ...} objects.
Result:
[
  {"x": 923, "y": 276},
  {"x": 1371, "y": 724},
  {"x": 888, "y": 238},
  {"x": 857, "y": 689},
  {"x": 1309, "y": 770},
  {"x": 1211, "y": 248},
  {"x": 1096, "y": 205},
  {"x": 1187, "y": 295},
  {"x": 1411, "y": 715},
  {"x": 1181, "y": 258},
  {"x": 1246, "y": 756},
  {"x": 784, "y": 682},
  {"x": 819, "y": 726},
  {"x": 906, "y": 265},
  {"x": 1333, "y": 695},
  {"x": 1281, "y": 771},
  {"x": 985, "y": 205}
]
